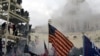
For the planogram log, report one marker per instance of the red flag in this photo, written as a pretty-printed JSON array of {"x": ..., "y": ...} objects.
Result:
[{"x": 61, "y": 44}]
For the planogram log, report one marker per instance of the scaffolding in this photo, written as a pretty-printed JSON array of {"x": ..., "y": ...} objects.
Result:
[{"x": 9, "y": 14}]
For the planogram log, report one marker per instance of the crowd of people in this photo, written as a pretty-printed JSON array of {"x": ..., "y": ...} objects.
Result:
[
  {"x": 16, "y": 28},
  {"x": 18, "y": 11},
  {"x": 16, "y": 48},
  {"x": 10, "y": 45}
]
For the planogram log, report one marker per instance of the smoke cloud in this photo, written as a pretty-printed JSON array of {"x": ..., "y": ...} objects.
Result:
[{"x": 76, "y": 16}]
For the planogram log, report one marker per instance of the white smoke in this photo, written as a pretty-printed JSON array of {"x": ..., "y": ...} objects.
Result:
[{"x": 76, "y": 16}]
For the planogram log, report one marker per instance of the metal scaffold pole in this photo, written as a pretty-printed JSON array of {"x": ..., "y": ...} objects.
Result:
[
  {"x": 27, "y": 33},
  {"x": 13, "y": 13},
  {"x": 6, "y": 34}
]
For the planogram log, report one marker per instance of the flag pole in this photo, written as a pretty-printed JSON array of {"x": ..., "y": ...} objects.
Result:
[
  {"x": 6, "y": 34},
  {"x": 48, "y": 39},
  {"x": 46, "y": 48},
  {"x": 48, "y": 45},
  {"x": 49, "y": 21}
]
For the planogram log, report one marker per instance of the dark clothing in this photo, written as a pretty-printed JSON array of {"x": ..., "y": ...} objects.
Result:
[
  {"x": 9, "y": 48},
  {"x": 0, "y": 46},
  {"x": 14, "y": 29},
  {"x": 3, "y": 27},
  {"x": 9, "y": 28},
  {"x": 30, "y": 27},
  {"x": 19, "y": 1},
  {"x": 32, "y": 54},
  {"x": 16, "y": 33},
  {"x": 15, "y": 48},
  {"x": 26, "y": 49},
  {"x": 22, "y": 12}
]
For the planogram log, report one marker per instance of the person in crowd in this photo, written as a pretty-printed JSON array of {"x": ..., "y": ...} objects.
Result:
[
  {"x": 16, "y": 32},
  {"x": 21, "y": 28},
  {"x": 3, "y": 27},
  {"x": 19, "y": 1},
  {"x": 32, "y": 54},
  {"x": 29, "y": 38},
  {"x": 30, "y": 27},
  {"x": 17, "y": 41},
  {"x": 22, "y": 12},
  {"x": 14, "y": 29},
  {"x": 14, "y": 50},
  {"x": 9, "y": 47},
  {"x": 26, "y": 50},
  {"x": 9, "y": 26},
  {"x": 26, "y": 14},
  {"x": 0, "y": 46},
  {"x": 25, "y": 30}
]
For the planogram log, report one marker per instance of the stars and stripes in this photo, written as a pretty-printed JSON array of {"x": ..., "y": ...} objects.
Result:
[{"x": 61, "y": 44}]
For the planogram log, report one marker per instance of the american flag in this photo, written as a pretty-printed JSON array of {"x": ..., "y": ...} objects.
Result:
[{"x": 61, "y": 44}]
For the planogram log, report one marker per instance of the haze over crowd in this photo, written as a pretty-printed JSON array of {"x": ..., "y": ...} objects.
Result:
[{"x": 76, "y": 16}]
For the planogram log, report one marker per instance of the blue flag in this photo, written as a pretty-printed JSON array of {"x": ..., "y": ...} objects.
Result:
[{"x": 89, "y": 48}]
